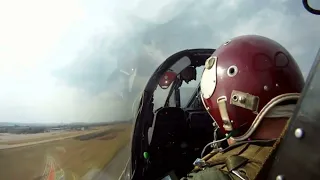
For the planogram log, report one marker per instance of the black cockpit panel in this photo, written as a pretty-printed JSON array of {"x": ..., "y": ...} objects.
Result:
[
  {"x": 168, "y": 142},
  {"x": 170, "y": 125}
]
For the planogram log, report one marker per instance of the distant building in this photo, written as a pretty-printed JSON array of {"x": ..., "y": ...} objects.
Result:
[
  {"x": 55, "y": 129},
  {"x": 82, "y": 128},
  {"x": 25, "y": 130},
  {"x": 3, "y": 129}
]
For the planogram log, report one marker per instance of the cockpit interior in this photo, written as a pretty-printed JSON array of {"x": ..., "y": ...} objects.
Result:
[{"x": 176, "y": 132}]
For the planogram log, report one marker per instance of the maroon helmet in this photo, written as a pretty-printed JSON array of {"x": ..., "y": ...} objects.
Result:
[
  {"x": 167, "y": 79},
  {"x": 245, "y": 79}
]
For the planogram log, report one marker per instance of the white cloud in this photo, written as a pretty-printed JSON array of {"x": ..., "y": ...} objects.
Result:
[
  {"x": 31, "y": 29},
  {"x": 39, "y": 36}
]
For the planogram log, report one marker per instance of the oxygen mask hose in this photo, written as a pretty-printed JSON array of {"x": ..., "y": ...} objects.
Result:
[{"x": 215, "y": 142}]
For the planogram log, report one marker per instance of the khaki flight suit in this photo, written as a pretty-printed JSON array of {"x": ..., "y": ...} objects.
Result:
[{"x": 244, "y": 159}]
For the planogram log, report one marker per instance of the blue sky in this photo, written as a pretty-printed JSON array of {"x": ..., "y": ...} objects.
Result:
[{"x": 56, "y": 55}]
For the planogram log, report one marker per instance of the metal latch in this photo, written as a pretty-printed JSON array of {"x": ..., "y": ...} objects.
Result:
[{"x": 244, "y": 100}]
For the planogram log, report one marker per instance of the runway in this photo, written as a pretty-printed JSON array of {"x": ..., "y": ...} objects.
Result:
[
  {"x": 7, "y": 146},
  {"x": 52, "y": 170},
  {"x": 114, "y": 169}
]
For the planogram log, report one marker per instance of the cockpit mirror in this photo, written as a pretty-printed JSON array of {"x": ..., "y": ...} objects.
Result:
[{"x": 167, "y": 79}]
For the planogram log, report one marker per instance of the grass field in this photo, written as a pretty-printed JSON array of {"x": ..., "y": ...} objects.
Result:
[{"x": 75, "y": 156}]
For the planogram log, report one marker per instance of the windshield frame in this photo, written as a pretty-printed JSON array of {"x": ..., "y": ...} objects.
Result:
[
  {"x": 193, "y": 97},
  {"x": 145, "y": 110}
]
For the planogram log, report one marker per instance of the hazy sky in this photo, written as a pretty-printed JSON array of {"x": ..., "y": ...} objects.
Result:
[{"x": 56, "y": 55}]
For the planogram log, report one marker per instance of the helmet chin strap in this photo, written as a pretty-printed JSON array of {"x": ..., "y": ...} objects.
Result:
[{"x": 271, "y": 110}]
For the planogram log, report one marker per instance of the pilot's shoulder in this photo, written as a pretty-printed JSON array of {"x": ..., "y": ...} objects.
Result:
[
  {"x": 248, "y": 149},
  {"x": 247, "y": 157}
]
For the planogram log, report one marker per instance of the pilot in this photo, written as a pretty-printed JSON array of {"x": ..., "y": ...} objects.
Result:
[
  {"x": 249, "y": 87},
  {"x": 188, "y": 74}
]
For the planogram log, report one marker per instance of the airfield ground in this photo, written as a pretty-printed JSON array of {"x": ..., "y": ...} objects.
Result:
[
  {"x": 79, "y": 156},
  {"x": 15, "y": 139}
]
